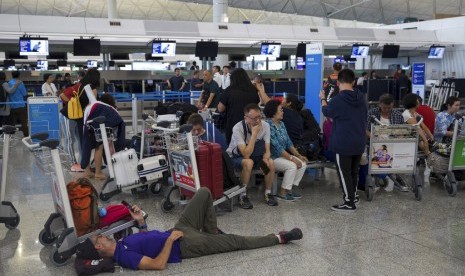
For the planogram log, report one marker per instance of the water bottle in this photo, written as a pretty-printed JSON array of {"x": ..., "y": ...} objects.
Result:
[{"x": 102, "y": 211}]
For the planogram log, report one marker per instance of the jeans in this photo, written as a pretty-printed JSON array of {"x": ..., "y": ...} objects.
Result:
[{"x": 292, "y": 175}]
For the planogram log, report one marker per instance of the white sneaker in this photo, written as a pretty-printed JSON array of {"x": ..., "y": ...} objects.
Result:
[{"x": 390, "y": 185}]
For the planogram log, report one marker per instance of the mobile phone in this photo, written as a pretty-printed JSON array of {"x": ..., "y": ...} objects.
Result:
[
  {"x": 129, "y": 206},
  {"x": 264, "y": 167},
  {"x": 258, "y": 78}
]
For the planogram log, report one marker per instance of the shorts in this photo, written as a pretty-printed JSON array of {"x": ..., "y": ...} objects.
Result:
[{"x": 237, "y": 161}]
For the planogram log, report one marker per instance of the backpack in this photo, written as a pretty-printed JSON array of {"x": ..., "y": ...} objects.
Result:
[
  {"x": 74, "y": 105},
  {"x": 331, "y": 88},
  {"x": 83, "y": 199},
  {"x": 229, "y": 177}
]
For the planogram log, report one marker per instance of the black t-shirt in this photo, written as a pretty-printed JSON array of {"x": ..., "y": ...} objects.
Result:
[
  {"x": 176, "y": 82},
  {"x": 211, "y": 87},
  {"x": 235, "y": 100}
]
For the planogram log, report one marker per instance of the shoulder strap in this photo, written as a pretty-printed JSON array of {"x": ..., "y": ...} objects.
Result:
[{"x": 245, "y": 131}]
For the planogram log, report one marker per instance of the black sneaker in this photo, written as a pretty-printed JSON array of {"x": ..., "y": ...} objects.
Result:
[
  {"x": 344, "y": 208},
  {"x": 357, "y": 200},
  {"x": 270, "y": 200},
  {"x": 293, "y": 235},
  {"x": 245, "y": 203}
]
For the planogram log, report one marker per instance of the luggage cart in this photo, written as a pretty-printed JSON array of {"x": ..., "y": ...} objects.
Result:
[
  {"x": 181, "y": 147},
  {"x": 456, "y": 159},
  {"x": 393, "y": 150},
  {"x": 107, "y": 136},
  {"x": 59, "y": 227},
  {"x": 8, "y": 214}
]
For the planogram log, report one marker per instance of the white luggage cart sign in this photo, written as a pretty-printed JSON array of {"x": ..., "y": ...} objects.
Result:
[
  {"x": 43, "y": 116},
  {"x": 393, "y": 149}
]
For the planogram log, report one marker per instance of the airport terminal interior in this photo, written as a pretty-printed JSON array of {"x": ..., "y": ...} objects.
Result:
[{"x": 161, "y": 93}]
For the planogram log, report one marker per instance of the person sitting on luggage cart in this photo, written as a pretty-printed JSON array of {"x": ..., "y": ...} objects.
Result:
[
  {"x": 199, "y": 130},
  {"x": 285, "y": 156},
  {"x": 411, "y": 115},
  {"x": 195, "y": 234},
  {"x": 250, "y": 149},
  {"x": 387, "y": 116}
]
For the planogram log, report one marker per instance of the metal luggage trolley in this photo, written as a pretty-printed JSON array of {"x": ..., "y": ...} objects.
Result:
[
  {"x": 181, "y": 147},
  {"x": 456, "y": 160},
  {"x": 393, "y": 150},
  {"x": 107, "y": 135},
  {"x": 59, "y": 228},
  {"x": 8, "y": 214}
]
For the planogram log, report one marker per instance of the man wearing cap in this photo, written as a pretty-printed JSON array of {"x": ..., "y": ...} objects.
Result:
[{"x": 195, "y": 234}]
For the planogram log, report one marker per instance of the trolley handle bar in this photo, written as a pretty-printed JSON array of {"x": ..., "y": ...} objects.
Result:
[
  {"x": 98, "y": 120},
  {"x": 51, "y": 143},
  {"x": 7, "y": 129},
  {"x": 42, "y": 136},
  {"x": 373, "y": 118}
]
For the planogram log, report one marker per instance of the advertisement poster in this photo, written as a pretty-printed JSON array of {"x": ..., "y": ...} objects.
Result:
[
  {"x": 181, "y": 168},
  {"x": 459, "y": 154},
  {"x": 418, "y": 79},
  {"x": 394, "y": 157}
]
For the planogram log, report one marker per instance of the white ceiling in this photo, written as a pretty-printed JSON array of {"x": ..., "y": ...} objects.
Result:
[{"x": 290, "y": 12}]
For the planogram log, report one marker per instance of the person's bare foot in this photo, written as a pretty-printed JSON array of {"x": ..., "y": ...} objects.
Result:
[{"x": 101, "y": 176}]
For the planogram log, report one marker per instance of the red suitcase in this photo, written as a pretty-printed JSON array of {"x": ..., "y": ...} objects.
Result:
[{"x": 210, "y": 168}]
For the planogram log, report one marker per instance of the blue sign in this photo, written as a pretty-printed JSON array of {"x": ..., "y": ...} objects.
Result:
[
  {"x": 418, "y": 79},
  {"x": 418, "y": 75},
  {"x": 43, "y": 116},
  {"x": 314, "y": 78}
]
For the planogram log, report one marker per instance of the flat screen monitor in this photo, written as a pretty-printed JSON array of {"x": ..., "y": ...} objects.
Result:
[
  {"x": 301, "y": 50},
  {"x": 8, "y": 63},
  {"x": 339, "y": 59},
  {"x": 300, "y": 63},
  {"x": 62, "y": 63},
  {"x": 436, "y": 52},
  {"x": 360, "y": 51},
  {"x": 92, "y": 64},
  {"x": 206, "y": 49},
  {"x": 33, "y": 46},
  {"x": 181, "y": 64},
  {"x": 270, "y": 49},
  {"x": 42, "y": 65},
  {"x": 163, "y": 48},
  {"x": 390, "y": 51},
  {"x": 86, "y": 47}
]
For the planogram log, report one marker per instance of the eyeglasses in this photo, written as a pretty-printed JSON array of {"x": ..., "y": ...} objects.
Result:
[{"x": 254, "y": 118}]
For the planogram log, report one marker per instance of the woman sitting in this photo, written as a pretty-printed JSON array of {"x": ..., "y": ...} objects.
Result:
[
  {"x": 444, "y": 129},
  {"x": 411, "y": 117},
  {"x": 285, "y": 156},
  {"x": 302, "y": 127}
]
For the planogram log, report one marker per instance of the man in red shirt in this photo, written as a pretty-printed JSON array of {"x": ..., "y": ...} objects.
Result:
[{"x": 428, "y": 114}]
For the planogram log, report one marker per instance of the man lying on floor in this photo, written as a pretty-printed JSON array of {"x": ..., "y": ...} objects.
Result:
[{"x": 195, "y": 234}]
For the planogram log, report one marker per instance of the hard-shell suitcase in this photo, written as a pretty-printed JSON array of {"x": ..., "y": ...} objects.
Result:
[
  {"x": 125, "y": 166},
  {"x": 152, "y": 168},
  {"x": 210, "y": 168}
]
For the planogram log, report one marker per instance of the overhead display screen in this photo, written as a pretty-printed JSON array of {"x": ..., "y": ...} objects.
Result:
[{"x": 33, "y": 46}]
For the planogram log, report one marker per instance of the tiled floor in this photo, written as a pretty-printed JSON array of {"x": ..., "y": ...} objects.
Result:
[{"x": 393, "y": 235}]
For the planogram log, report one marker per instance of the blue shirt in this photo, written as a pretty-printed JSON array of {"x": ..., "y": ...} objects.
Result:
[
  {"x": 443, "y": 121},
  {"x": 130, "y": 251},
  {"x": 18, "y": 95},
  {"x": 279, "y": 140}
]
